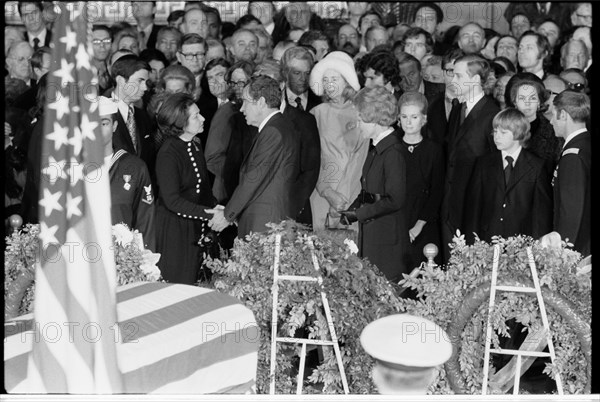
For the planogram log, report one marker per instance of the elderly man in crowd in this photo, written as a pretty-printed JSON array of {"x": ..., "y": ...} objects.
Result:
[{"x": 17, "y": 62}]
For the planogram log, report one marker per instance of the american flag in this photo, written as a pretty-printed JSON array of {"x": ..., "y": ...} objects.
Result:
[{"x": 74, "y": 348}]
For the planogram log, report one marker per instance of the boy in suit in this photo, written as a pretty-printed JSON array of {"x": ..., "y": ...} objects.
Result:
[{"x": 509, "y": 192}]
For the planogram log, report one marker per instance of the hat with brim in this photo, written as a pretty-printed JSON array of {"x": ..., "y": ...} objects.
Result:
[
  {"x": 107, "y": 106},
  {"x": 406, "y": 342},
  {"x": 338, "y": 61}
]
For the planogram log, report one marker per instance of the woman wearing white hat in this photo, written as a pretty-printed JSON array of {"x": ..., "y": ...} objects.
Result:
[{"x": 343, "y": 149}]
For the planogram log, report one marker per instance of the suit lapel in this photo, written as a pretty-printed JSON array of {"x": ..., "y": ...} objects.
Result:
[
  {"x": 470, "y": 119},
  {"x": 522, "y": 167}
]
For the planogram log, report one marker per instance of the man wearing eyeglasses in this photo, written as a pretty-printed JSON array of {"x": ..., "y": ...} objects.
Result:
[
  {"x": 101, "y": 41},
  {"x": 17, "y": 62},
  {"x": 31, "y": 14},
  {"x": 192, "y": 55}
]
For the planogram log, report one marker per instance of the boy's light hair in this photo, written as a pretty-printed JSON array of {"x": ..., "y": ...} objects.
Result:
[{"x": 513, "y": 120}]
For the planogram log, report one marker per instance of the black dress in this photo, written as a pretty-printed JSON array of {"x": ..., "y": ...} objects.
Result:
[
  {"x": 543, "y": 142},
  {"x": 184, "y": 192},
  {"x": 425, "y": 185}
]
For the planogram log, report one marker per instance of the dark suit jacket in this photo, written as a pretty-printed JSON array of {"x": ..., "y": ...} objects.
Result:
[
  {"x": 473, "y": 139},
  {"x": 47, "y": 41},
  {"x": 522, "y": 207},
  {"x": 432, "y": 90},
  {"x": 267, "y": 179},
  {"x": 559, "y": 12},
  {"x": 313, "y": 100},
  {"x": 436, "y": 119},
  {"x": 151, "y": 44},
  {"x": 122, "y": 139},
  {"x": 383, "y": 235},
  {"x": 305, "y": 128},
  {"x": 572, "y": 193},
  {"x": 132, "y": 196},
  {"x": 208, "y": 105}
]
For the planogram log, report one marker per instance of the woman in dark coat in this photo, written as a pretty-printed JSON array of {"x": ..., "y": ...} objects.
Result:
[
  {"x": 184, "y": 190},
  {"x": 530, "y": 96},
  {"x": 380, "y": 206},
  {"x": 425, "y": 172}
]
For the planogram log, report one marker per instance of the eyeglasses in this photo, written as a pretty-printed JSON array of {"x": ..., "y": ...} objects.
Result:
[
  {"x": 20, "y": 59},
  {"x": 237, "y": 83},
  {"x": 584, "y": 17},
  {"x": 192, "y": 56},
  {"x": 106, "y": 41},
  {"x": 576, "y": 86},
  {"x": 449, "y": 72}
]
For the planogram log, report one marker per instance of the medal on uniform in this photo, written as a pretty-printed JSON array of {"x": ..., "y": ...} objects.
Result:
[{"x": 127, "y": 178}]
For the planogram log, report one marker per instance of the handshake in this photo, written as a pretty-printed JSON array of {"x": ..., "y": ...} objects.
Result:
[{"x": 218, "y": 222}]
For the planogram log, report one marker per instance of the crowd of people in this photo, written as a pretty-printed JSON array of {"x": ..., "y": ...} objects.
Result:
[{"x": 375, "y": 123}]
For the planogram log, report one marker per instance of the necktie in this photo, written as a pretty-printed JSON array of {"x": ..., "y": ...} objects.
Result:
[
  {"x": 142, "y": 40},
  {"x": 453, "y": 121},
  {"x": 371, "y": 146},
  {"x": 36, "y": 43},
  {"x": 508, "y": 169},
  {"x": 299, "y": 103},
  {"x": 463, "y": 112},
  {"x": 131, "y": 127}
]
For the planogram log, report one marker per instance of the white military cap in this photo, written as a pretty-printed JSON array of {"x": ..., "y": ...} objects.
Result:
[
  {"x": 406, "y": 342},
  {"x": 107, "y": 106}
]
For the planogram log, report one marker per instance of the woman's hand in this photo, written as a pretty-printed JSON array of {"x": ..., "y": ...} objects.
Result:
[{"x": 415, "y": 231}]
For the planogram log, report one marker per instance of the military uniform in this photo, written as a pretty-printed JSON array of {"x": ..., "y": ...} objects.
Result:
[{"x": 132, "y": 195}]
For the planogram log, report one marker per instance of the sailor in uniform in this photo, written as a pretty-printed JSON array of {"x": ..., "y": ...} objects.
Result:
[{"x": 131, "y": 193}]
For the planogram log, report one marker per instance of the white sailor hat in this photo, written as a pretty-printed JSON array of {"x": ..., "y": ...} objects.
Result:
[
  {"x": 406, "y": 342},
  {"x": 107, "y": 106}
]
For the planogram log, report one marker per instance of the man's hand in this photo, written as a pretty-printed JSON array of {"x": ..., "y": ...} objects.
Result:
[{"x": 218, "y": 221}]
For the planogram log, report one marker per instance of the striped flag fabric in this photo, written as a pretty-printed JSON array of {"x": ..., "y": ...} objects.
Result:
[{"x": 75, "y": 314}]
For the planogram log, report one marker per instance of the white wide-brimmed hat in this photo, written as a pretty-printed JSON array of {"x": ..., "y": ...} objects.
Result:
[
  {"x": 107, "y": 106},
  {"x": 338, "y": 61}
]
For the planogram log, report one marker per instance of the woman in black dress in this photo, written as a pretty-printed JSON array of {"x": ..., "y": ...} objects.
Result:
[
  {"x": 530, "y": 96},
  {"x": 424, "y": 177},
  {"x": 184, "y": 190}
]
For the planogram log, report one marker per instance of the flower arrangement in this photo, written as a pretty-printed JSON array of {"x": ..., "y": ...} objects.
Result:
[
  {"x": 133, "y": 264},
  {"x": 457, "y": 298},
  {"x": 356, "y": 291}
]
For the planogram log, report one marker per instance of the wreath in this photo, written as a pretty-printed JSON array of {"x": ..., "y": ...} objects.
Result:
[
  {"x": 134, "y": 263},
  {"x": 457, "y": 298}
]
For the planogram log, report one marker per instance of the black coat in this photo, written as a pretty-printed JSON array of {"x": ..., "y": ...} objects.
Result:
[
  {"x": 522, "y": 207},
  {"x": 383, "y": 230},
  {"x": 267, "y": 178},
  {"x": 572, "y": 193},
  {"x": 543, "y": 142},
  {"x": 305, "y": 128},
  {"x": 472, "y": 139}
]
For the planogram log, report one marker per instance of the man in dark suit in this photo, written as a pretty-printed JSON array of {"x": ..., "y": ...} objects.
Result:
[
  {"x": 412, "y": 78},
  {"x": 572, "y": 178},
  {"x": 305, "y": 127},
  {"x": 379, "y": 69},
  {"x": 537, "y": 12},
  {"x": 468, "y": 138},
  {"x": 269, "y": 171},
  {"x": 36, "y": 33},
  {"x": 143, "y": 12},
  {"x": 296, "y": 64},
  {"x": 133, "y": 129},
  {"x": 510, "y": 192},
  {"x": 440, "y": 107}
]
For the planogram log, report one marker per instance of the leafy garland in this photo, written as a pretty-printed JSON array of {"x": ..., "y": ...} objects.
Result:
[
  {"x": 444, "y": 292},
  {"x": 356, "y": 291},
  {"x": 133, "y": 264}
]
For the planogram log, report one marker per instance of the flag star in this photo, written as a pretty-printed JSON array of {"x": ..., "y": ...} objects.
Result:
[
  {"x": 88, "y": 127},
  {"x": 54, "y": 169},
  {"x": 83, "y": 58},
  {"x": 76, "y": 141},
  {"x": 73, "y": 205},
  {"x": 70, "y": 39},
  {"x": 75, "y": 171},
  {"x": 61, "y": 105},
  {"x": 50, "y": 202},
  {"x": 47, "y": 234},
  {"x": 65, "y": 71},
  {"x": 59, "y": 135}
]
